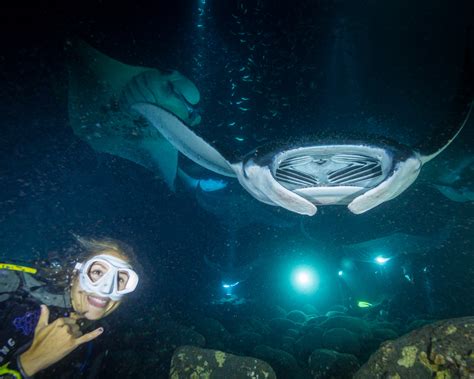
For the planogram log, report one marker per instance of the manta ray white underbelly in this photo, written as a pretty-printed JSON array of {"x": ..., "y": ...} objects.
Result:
[{"x": 332, "y": 174}]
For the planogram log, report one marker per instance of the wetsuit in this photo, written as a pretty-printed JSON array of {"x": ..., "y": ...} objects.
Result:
[{"x": 19, "y": 315}]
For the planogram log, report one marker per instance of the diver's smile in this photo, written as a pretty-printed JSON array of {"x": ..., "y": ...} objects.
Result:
[{"x": 97, "y": 301}]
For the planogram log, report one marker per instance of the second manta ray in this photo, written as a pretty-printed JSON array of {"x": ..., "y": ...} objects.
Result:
[{"x": 298, "y": 177}]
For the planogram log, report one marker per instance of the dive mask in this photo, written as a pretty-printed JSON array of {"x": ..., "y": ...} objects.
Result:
[{"x": 114, "y": 277}]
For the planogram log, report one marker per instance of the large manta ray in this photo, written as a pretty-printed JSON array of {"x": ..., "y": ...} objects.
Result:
[
  {"x": 299, "y": 176},
  {"x": 146, "y": 115},
  {"x": 96, "y": 83}
]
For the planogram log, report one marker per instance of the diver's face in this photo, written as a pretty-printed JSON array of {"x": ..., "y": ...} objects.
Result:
[{"x": 90, "y": 305}]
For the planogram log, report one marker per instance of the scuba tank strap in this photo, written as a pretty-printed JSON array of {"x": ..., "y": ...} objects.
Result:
[
  {"x": 38, "y": 290},
  {"x": 9, "y": 284}
]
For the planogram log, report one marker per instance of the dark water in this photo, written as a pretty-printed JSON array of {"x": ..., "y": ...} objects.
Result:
[{"x": 266, "y": 71}]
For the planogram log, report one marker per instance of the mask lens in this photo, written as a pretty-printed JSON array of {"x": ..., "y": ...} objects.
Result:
[
  {"x": 122, "y": 281},
  {"x": 96, "y": 271}
]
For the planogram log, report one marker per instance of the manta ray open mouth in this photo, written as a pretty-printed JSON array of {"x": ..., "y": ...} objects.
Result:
[{"x": 332, "y": 166}]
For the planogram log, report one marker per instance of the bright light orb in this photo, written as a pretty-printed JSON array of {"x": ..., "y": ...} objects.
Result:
[
  {"x": 305, "y": 279},
  {"x": 381, "y": 260},
  {"x": 340, "y": 273}
]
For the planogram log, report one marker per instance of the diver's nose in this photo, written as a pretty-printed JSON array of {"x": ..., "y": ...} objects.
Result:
[{"x": 107, "y": 287}]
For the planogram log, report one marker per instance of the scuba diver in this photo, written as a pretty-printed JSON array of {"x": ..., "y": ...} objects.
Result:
[{"x": 40, "y": 328}]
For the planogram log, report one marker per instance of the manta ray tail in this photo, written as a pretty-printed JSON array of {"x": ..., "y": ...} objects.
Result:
[{"x": 460, "y": 112}]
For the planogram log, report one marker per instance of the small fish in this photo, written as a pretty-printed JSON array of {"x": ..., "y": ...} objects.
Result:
[
  {"x": 231, "y": 123},
  {"x": 240, "y": 139},
  {"x": 244, "y": 109}
]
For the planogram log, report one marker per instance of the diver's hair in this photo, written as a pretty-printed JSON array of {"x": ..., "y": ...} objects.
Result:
[{"x": 59, "y": 273}]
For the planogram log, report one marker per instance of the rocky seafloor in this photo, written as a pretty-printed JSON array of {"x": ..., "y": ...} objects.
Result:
[{"x": 296, "y": 344}]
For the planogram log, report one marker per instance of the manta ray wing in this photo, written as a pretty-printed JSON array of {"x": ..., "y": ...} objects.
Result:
[{"x": 95, "y": 85}]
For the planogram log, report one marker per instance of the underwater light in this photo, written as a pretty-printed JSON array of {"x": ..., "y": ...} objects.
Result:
[
  {"x": 340, "y": 273},
  {"x": 225, "y": 285},
  {"x": 364, "y": 304},
  {"x": 305, "y": 279},
  {"x": 381, "y": 260}
]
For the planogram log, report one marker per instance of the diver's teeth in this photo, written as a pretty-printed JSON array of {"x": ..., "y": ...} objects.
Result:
[
  {"x": 296, "y": 161},
  {"x": 295, "y": 177}
]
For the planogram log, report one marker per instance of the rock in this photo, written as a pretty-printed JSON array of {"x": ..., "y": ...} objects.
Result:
[
  {"x": 384, "y": 325},
  {"x": 439, "y": 350},
  {"x": 354, "y": 324},
  {"x": 341, "y": 340},
  {"x": 334, "y": 313},
  {"x": 277, "y": 312},
  {"x": 246, "y": 341},
  {"x": 194, "y": 362},
  {"x": 297, "y": 316},
  {"x": 293, "y": 333},
  {"x": 170, "y": 335},
  {"x": 328, "y": 364},
  {"x": 281, "y": 325},
  {"x": 309, "y": 309},
  {"x": 315, "y": 320},
  {"x": 283, "y": 363},
  {"x": 417, "y": 324},
  {"x": 288, "y": 344},
  {"x": 309, "y": 342},
  {"x": 384, "y": 334},
  {"x": 214, "y": 332}
]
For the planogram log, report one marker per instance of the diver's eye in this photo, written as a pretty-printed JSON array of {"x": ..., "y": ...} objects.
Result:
[
  {"x": 122, "y": 281},
  {"x": 97, "y": 271}
]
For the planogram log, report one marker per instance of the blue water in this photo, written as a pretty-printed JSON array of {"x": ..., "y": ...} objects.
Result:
[{"x": 265, "y": 71}]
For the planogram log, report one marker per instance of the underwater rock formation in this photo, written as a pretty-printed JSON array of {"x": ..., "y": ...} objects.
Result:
[
  {"x": 326, "y": 364},
  {"x": 194, "y": 362},
  {"x": 284, "y": 364},
  {"x": 353, "y": 324},
  {"x": 442, "y": 350},
  {"x": 341, "y": 340}
]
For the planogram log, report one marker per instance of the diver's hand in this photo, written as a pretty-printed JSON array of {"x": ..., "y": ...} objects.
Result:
[
  {"x": 52, "y": 342},
  {"x": 169, "y": 90}
]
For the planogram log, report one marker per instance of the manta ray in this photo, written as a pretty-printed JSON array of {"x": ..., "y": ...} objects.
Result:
[
  {"x": 229, "y": 203},
  {"x": 147, "y": 116},
  {"x": 96, "y": 83},
  {"x": 300, "y": 175}
]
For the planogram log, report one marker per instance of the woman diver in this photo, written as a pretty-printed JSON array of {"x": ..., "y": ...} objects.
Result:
[{"x": 39, "y": 328}]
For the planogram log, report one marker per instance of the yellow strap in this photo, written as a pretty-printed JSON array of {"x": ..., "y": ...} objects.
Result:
[
  {"x": 8, "y": 266},
  {"x": 4, "y": 370}
]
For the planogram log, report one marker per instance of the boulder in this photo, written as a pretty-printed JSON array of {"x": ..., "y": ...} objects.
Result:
[
  {"x": 353, "y": 324},
  {"x": 297, "y": 316},
  {"x": 214, "y": 332},
  {"x": 308, "y": 342},
  {"x": 283, "y": 363},
  {"x": 341, "y": 340},
  {"x": 281, "y": 325},
  {"x": 246, "y": 341},
  {"x": 194, "y": 362},
  {"x": 440, "y": 350},
  {"x": 384, "y": 334},
  {"x": 309, "y": 309},
  {"x": 328, "y": 364}
]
